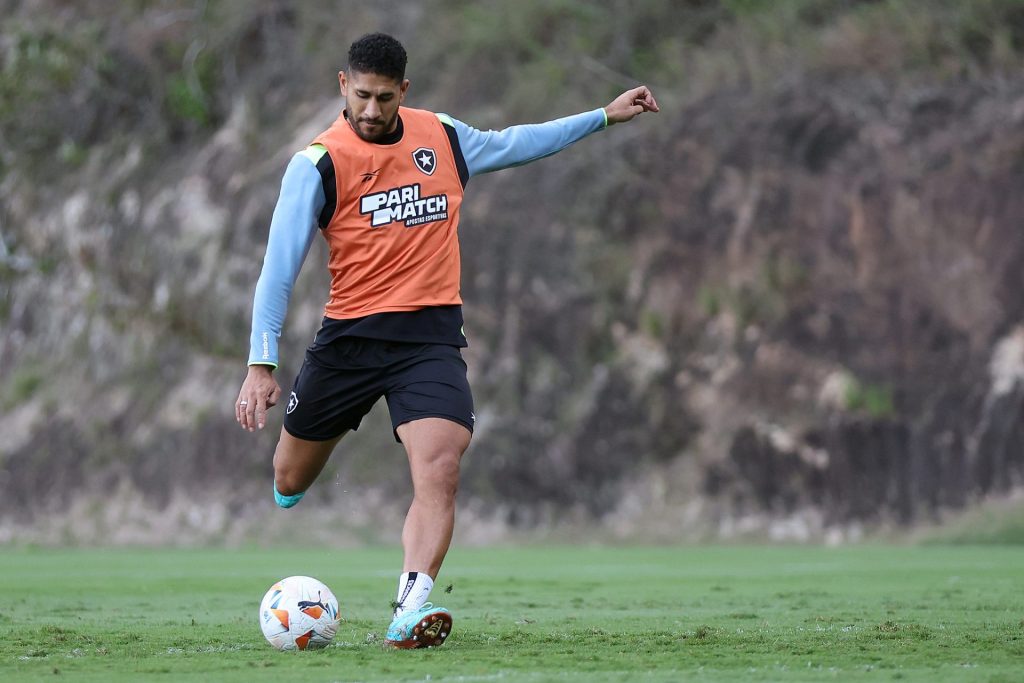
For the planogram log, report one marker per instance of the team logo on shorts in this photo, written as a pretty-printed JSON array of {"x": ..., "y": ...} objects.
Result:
[
  {"x": 293, "y": 403},
  {"x": 425, "y": 160}
]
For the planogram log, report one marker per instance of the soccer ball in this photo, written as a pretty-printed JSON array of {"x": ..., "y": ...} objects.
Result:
[{"x": 299, "y": 613}]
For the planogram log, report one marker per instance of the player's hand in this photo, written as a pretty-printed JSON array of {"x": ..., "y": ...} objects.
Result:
[
  {"x": 631, "y": 103},
  {"x": 259, "y": 392}
]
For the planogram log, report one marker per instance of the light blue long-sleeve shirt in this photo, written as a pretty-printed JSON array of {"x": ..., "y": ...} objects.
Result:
[{"x": 294, "y": 224}]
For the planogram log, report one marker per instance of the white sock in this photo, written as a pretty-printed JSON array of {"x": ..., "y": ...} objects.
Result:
[{"x": 413, "y": 591}]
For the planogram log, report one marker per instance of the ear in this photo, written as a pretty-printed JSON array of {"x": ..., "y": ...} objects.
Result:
[
  {"x": 343, "y": 83},
  {"x": 404, "y": 88}
]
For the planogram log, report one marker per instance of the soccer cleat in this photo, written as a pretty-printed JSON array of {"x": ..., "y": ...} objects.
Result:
[{"x": 426, "y": 627}]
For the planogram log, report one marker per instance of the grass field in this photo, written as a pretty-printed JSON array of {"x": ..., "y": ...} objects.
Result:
[{"x": 528, "y": 614}]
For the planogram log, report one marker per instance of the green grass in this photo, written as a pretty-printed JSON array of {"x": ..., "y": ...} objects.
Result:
[{"x": 535, "y": 614}]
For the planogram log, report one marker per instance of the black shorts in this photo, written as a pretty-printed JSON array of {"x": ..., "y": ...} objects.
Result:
[{"x": 341, "y": 380}]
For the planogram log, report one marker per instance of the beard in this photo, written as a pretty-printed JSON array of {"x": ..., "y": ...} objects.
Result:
[{"x": 373, "y": 133}]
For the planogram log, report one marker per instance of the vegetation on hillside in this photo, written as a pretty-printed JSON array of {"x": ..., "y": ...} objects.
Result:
[
  {"x": 76, "y": 76},
  {"x": 785, "y": 293}
]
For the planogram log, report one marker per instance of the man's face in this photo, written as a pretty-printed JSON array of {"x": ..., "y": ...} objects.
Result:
[{"x": 372, "y": 102}]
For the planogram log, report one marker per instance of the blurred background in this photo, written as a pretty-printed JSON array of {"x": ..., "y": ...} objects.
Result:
[{"x": 790, "y": 306}]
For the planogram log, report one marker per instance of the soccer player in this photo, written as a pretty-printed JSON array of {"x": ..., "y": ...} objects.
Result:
[{"x": 384, "y": 185}]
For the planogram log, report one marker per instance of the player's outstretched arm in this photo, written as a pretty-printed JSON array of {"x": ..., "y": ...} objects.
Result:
[
  {"x": 486, "y": 151},
  {"x": 630, "y": 104}
]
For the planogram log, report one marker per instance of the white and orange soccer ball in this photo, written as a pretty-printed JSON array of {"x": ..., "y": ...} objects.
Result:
[{"x": 299, "y": 613}]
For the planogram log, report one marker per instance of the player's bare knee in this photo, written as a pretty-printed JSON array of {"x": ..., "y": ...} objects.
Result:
[
  {"x": 440, "y": 474},
  {"x": 286, "y": 478},
  {"x": 448, "y": 478},
  {"x": 287, "y": 481},
  {"x": 284, "y": 475}
]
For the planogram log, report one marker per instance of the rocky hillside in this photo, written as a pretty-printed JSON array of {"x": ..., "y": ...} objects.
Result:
[{"x": 793, "y": 301}]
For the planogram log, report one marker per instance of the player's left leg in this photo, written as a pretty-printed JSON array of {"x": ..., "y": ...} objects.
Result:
[
  {"x": 431, "y": 408},
  {"x": 434, "y": 447}
]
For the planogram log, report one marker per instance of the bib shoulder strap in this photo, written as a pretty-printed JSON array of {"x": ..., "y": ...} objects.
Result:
[
  {"x": 318, "y": 154},
  {"x": 453, "y": 139}
]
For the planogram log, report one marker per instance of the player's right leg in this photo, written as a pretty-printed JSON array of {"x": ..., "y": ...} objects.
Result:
[
  {"x": 334, "y": 389},
  {"x": 297, "y": 464}
]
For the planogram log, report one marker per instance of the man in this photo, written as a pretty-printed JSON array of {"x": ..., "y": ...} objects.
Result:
[{"x": 384, "y": 185}]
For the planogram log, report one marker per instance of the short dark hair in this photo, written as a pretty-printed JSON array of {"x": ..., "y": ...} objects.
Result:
[{"x": 378, "y": 53}]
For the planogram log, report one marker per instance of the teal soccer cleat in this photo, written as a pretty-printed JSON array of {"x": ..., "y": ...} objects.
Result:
[{"x": 426, "y": 627}]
